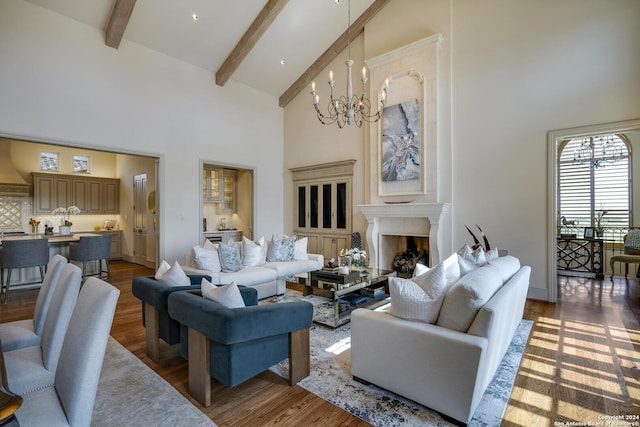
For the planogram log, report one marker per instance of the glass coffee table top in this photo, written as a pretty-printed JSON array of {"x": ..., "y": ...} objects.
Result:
[{"x": 364, "y": 288}]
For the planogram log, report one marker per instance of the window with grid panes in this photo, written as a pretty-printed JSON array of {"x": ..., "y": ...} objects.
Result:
[{"x": 585, "y": 189}]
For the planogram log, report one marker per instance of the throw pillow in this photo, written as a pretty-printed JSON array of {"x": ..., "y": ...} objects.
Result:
[
  {"x": 253, "y": 253},
  {"x": 479, "y": 256},
  {"x": 206, "y": 258},
  {"x": 227, "y": 295},
  {"x": 466, "y": 266},
  {"x": 420, "y": 269},
  {"x": 172, "y": 275},
  {"x": 468, "y": 296},
  {"x": 451, "y": 269},
  {"x": 419, "y": 298},
  {"x": 230, "y": 260},
  {"x": 492, "y": 254},
  {"x": 508, "y": 266},
  {"x": 281, "y": 250},
  {"x": 300, "y": 249}
]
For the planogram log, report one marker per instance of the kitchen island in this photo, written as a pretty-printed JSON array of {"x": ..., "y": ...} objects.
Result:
[{"x": 59, "y": 244}]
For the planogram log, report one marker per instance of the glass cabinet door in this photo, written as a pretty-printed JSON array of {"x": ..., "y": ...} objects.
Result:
[
  {"x": 327, "y": 206},
  {"x": 302, "y": 206},
  {"x": 314, "y": 207},
  {"x": 211, "y": 184}
]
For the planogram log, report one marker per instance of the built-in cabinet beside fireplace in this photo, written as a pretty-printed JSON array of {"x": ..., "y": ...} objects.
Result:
[{"x": 323, "y": 201}]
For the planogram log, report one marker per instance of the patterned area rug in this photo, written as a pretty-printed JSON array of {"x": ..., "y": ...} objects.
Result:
[
  {"x": 331, "y": 379},
  {"x": 132, "y": 394}
]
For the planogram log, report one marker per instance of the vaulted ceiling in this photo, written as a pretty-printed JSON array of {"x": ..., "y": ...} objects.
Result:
[{"x": 277, "y": 46}]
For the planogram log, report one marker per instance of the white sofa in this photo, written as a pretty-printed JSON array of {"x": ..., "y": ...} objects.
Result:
[
  {"x": 444, "y": 369},
  {"x": 268, "y": 279}
]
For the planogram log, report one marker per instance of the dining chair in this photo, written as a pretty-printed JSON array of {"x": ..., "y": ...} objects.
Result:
[
  {"x": 27, "y": 332},
  {"x": 20, "y": 253},
  {"x": 92, "y": 248},
  {"x": 32, "y": 368},
  {"x": 70, "y": 401}
]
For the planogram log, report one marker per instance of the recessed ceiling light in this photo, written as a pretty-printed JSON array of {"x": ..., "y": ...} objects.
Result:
[
  {"x": 194, "y": 16},
  {"x": 282, "y": 62}
]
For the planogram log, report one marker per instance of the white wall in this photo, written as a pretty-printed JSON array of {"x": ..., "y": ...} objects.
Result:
[
  {"x": 517, "y": 70},
  {"x": 60, "y": 83}
]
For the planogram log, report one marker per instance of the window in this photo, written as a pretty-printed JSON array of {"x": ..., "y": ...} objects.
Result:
[
  {"x": 593, "y": 178},
  {"x": 49, "y": 162},
  {"x": 80, "y": 164}
]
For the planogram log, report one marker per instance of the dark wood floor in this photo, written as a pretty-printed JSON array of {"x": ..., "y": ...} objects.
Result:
[{"x": 581, "y": 362}]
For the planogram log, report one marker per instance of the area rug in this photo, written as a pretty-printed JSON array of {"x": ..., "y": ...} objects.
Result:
[
  {"x": 330, "y": 379},
  {"x": 132, "y": 394}
]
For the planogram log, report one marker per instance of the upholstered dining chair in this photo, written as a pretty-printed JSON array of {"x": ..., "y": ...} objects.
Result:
[
  {"x": 26, "y": 333},
  {"x": 92, "y": 248},
  {"x": 70, "y": 401},
  {"x": 32, "y": 368},
  {"x": 22, "y": 254}
]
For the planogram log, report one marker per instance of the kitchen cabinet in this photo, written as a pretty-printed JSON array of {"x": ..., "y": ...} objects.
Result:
[
  {"x": 116, "y": 243},
  {"x": 323, "y": 203},
  {"x": 229, "y": 188},
  {"x": 90, "y": 195},
  {"x": 211, "y": 184},
  {"x": 223, "y": 236},
  {"x": 50, "y": 191}
]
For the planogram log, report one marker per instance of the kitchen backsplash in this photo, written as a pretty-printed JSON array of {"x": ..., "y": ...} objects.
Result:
[{"x": 15, "y": 214}]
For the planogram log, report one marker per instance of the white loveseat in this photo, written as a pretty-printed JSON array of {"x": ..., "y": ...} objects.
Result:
[
  {"x": 444, "y": 369},
  {"x": 268, "y": 278}
]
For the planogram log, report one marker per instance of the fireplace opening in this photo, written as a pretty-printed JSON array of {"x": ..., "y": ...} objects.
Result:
[{"x": 403, "y": 252}]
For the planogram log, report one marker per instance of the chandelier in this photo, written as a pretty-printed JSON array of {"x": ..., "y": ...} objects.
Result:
[
  {"x": 600, "y": 151},
  {"x": 349, "y": 109}
]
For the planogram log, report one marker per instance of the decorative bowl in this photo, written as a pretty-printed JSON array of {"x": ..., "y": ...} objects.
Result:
[{"x": 97, "y": 227}]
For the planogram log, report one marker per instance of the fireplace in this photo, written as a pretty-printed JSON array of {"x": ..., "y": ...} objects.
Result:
[
  {"x": 389, "y": 222},
  {"x": 409, "y": 250}
]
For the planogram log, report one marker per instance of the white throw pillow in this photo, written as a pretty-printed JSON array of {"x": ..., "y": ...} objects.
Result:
[
  {"x": 508, "y": 266},
  {"x": 466, "y": 266},
  {"x": 206, "y": 258},
  {"x": 479, "y": 256},
  {"x": 227, "y": 295},
  {"x": 468, "y": 296},
  {"x": 420, "y": 269},
  {"x": 300, "y": 250},
  {"x": 253, "y": 253},
  {"x": 451, "y": 269},
  {"x": 172, "y": 276},
  {"x": 419, "y": 298},
  {"x": 492, "y": 254}
]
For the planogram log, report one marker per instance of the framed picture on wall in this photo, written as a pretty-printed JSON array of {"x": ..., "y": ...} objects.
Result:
[
  {"x": 80, "y": 164},
  {"x": 589, "y": 232},
  {"x": 49, "y": 162}
]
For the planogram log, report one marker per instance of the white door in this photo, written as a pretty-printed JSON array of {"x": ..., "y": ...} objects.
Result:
[{"x": 140, "y": 223}]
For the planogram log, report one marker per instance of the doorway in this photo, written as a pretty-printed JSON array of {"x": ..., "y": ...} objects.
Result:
[{"x": 555, "y": 139}]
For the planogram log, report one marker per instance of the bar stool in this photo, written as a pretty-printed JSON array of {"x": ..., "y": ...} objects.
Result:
[
  {"x": 92, "y": 248},
  {"x": 22, "y": 254}
]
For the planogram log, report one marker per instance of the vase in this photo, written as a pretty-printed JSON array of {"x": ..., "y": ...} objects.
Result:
[
  {"x": 65, "y": 230},
  {"x": 344, "y": 264}
]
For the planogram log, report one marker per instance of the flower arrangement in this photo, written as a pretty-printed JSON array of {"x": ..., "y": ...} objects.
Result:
[
  {"x": 358, "y": 256},
  {"x": 65, "y": 214},
  {"x": 598, "y": 220}
]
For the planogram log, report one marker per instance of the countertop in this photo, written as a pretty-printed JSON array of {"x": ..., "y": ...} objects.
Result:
[
  {"x": 56, "y": 238},
  {"x": 231, "y": 230}
]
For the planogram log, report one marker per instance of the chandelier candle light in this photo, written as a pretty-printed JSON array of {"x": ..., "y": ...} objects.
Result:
[{"x": 349, "y": 109}]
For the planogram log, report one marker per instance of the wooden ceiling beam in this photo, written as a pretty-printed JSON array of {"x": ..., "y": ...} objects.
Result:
[
  {"x": 118, "y": 22},
  {"x": 332, "y": 52},
  {"x": 264, "y": 19}
]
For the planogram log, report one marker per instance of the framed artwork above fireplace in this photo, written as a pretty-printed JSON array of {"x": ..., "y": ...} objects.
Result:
[{"x": 403, "y": 144}]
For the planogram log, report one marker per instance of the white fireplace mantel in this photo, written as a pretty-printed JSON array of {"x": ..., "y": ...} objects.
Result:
[{"x": 404, "y": 219}]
